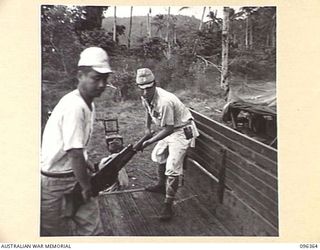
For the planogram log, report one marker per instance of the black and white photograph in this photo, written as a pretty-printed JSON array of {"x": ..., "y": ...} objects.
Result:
[{"x": 158, "y": 121}]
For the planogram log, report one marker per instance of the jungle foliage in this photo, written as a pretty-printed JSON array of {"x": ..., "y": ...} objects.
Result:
[{"x": 180, "y": 54}]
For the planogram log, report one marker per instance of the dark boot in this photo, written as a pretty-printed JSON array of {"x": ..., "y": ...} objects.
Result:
[
  {"x": 160, "y": 186},
  {"x": 171, "y": 190},
  {"x": 167, "y": 212}
]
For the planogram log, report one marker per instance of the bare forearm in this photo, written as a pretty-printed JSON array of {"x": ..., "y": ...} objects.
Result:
[
  {"x": 79, "y": 167},
  {"x": 162, "y": 134},
  {"x": 159, "y": 136}
]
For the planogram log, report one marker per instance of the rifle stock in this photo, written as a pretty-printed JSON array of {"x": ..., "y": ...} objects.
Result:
[{"x": 104, "y": 178}]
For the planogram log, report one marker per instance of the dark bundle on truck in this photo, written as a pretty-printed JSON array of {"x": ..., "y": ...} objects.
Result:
[{"x": 104, "y": 178}]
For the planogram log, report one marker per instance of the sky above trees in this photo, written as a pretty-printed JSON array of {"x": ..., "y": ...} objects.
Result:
[{"x": 124, "y": 11}]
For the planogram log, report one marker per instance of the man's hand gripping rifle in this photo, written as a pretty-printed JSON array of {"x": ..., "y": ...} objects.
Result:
[{"x": 102, "y": 179}]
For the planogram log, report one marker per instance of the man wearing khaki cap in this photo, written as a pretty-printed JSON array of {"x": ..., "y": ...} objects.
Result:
[
  {"x": 177, "y": 134},
  {"x": 64, "y": 151}
]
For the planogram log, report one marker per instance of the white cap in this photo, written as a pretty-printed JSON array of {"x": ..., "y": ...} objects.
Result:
[
  {"x": 97, "y": 58},
  {"x": 145, "y": 78}
]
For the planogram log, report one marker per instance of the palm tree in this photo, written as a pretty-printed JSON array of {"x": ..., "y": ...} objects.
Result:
[
  {"x": 273, "y": 31},
  {"x": 168, "y": 25},
  {"x": 130, "y": 27},
  {"x": 247, "y": 11},
  {"x": 115, "y": 24},
  {"x": 225, "y": 45},
  {"x": 200, "y": 26},
  {"x": 149, "y": 24}
]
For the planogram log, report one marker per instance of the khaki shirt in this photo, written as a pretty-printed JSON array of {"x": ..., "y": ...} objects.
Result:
[{"x": 166, "y": 109}]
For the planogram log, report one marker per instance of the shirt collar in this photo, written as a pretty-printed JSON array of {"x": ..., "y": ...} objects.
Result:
[{"x": 154, "y": 99}]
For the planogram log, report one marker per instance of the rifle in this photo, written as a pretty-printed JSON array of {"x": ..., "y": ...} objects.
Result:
[{"x": 107, "y": 176}]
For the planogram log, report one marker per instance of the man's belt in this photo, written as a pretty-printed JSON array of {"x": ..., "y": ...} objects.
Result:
[
  {"x": 184, "y": 125},
  {"x": 57, "y": 175}
]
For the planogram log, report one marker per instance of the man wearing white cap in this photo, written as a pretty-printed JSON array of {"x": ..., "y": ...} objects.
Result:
[
  {"x": 176, "y": 136},
  {"x": 63, "y": 151}
]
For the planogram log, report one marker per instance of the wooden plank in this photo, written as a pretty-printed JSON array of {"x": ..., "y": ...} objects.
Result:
[
  {"x": 256, "y": 205},
  {"x": 211, "y": 157},
  {"x": 237, "y": 159},
  {"x": 232, "y": 179},
  {"x": 150, "y": 213},
  {"x": 264, "y": 207},
  {"x": 254, "y": 169},
  {"x": 208, "y": 133},
  {"x": 212, "y": 152},
  {"x": 210, "y": 136},
  {"x": 251, "y": 169},
  {"x": 105, "y": 217},
  {"x": 222, "y": 174},
  {"x": 203, "y": 200},
  {"x": 198, "y": 220},
  {"x": 235, "y": 209},
  {"x": 241, "y": 138},
  {"x": 210, "y": 161},
  {"x": 209, "y": 216},
  {"x": 175, "y": 227},
  {"x": 132, "y": 215},
  {"x": 191, "y": 217},
  {"x": 210, "y": 166},
  {"x": 247, "y": 177},
  {"x": 203, "y": 170},
  {"x": 199, "y": 184},
  {"x": 116, "y": 216}
]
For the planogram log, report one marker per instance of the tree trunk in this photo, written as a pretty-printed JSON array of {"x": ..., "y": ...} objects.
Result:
[
  {"x": 60, "y": 53},
  {"x": 273, "y": 32},
  {"x": 168, "y": 25},
  {"x": 115, "y": 24},
  {"x": 200, "y": 26},
  {"x": 251, "y": 35},
  {"x": 64, "y": 63},
  {"x": 148, "y": 27},
  {"x": 141, "y": 24},
  {"x": 225, "y": 49},
  {"x": 130, "y": 27},
  {"x": 167, "y": 53},
  {"x": 148, "y": 24},
  {"x": 160, "y": 33},
  {"x": 247, "y": 33}
]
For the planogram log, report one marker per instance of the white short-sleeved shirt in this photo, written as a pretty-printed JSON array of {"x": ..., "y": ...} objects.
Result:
[
  {"x": 68, "y": 127},
  {"x": 166, "y": 109}
]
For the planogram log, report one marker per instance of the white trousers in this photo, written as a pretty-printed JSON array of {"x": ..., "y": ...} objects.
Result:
[{"x": 172, "y": 151}]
